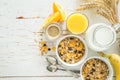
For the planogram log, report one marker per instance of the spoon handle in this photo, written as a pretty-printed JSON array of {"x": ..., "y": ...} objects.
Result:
[
  {"x": 74, "y": 73},
  {"x": 62, "y": 69}
]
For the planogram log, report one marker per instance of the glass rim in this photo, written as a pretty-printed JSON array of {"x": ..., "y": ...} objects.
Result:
[{"x": 81, "y": 14}]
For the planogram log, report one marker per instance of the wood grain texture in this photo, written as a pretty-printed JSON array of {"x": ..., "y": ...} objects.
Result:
[
  {"x": 20, "y": 57},
  {"x": 41, "y": 78}
]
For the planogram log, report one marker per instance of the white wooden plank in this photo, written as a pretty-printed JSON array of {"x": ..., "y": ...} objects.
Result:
[
  {"x": 19, "y": 53},
  {"x": 41, "y": 78},
  {"x": 15, "y": 8}
]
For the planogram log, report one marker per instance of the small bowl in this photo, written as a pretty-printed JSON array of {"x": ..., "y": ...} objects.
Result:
[
  {"x": 54, "y": 26},
  {"x": 105, "y": 60},
  {"x": 74, "y": 64}
]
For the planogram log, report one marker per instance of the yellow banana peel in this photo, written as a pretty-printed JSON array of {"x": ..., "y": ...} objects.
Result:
[{"x": 115, "y": 61}]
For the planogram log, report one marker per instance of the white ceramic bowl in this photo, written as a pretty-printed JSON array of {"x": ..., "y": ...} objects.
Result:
[
  {"x": 104, "y": 60},
  {"x": 75, "y": 64},
  {"x": 59, "y": 29}
]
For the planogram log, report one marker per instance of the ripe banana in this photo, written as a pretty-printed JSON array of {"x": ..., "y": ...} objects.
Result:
[{"x": 115, "y": 61}]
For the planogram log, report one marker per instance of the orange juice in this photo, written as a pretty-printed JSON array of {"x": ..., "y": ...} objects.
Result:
[{"x": 77, "y": 23}]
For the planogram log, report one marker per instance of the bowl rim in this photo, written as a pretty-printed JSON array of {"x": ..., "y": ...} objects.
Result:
[
  {"x": 104, "y": 60},
  {"x": 83, "y": 58}
]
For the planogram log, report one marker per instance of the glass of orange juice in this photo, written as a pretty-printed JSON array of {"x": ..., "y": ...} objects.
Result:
[{"x": 77, "y": 23}]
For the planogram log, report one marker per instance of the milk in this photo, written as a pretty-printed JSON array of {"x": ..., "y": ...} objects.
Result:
[
  {"x": 103, "y": 36},
  {"x": 100, "y": 37}
]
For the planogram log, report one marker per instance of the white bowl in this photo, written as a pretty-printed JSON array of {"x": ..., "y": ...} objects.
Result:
[
  {"x": 50, "y": 37},
  {"x": 104, "y": 60},
  {"x": 77, "y": 63}
]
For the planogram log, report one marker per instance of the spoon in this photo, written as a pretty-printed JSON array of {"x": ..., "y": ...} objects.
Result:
[
  {"x": 52, "y": 60},
  {"x": 54, "y": 68}
]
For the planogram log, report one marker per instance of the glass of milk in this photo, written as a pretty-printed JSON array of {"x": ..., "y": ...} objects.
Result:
[{"x": 100, "y": 36}]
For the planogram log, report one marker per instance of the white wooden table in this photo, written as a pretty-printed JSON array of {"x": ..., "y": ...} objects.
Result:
[{"x": 20, "y": 57}]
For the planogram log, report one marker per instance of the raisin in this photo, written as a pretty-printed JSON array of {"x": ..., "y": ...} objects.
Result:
[
  {"x": 87, "y": 79},
  {"x": 60, "y": 54},
  {"x": 59, "y": 46},
  {"x": 65, "y": 61},
  {"x": 75, "y": 51},
  {"x": 79, "y": 51},
  {"x": 94, "y": 65},
  {"x": 101, "y": 72},
  {"x": 71, "y": 38},
  {"x": 49, "y": 49},
  {"x": 87, "y": 75},
  {"x": 93, "y": 70},
  {"x": 70, "y": 59},
  {"x": 44, "y": 45},
  {"x": 69, "y": 48}
]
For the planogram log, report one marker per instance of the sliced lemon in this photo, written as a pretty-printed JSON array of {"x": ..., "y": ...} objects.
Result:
[
  {"x": 58, "y": 8},
  {"x": 52, "y": 18}
]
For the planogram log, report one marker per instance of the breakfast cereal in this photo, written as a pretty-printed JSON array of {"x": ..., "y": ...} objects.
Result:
[
  {"x": 95, "y": 69},
  {"x": 71, "y": 50}
]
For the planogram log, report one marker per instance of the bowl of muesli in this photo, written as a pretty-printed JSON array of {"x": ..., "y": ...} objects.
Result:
[
  {"x": 71, "y": 50},
  {"x": 96, "y": 68}
]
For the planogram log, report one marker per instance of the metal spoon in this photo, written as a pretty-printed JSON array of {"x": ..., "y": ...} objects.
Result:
[
  {"x": 51, "y": 60},
  {"x": 54, "y": 68}
]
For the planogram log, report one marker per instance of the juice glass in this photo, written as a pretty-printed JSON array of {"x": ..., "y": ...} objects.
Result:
[{"x": 77, "y": 23}]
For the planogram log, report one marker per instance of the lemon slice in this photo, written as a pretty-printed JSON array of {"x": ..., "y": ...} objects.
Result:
[
  {"x": 52, "y": 18},
  {"x": 58, "y": 8}
]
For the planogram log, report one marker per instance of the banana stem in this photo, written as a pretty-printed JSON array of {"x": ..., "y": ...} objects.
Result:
[{"x": 103, "y": 54}]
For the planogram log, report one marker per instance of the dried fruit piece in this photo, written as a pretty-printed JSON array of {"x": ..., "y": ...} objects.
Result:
[
  {"x": 54, "y": 48},
  {"x": 44, "y": 48}
]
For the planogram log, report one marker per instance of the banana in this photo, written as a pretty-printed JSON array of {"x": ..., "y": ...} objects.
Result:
[{"x": 115, "y": 61}]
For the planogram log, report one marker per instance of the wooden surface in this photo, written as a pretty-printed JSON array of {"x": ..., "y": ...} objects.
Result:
[{"x": 20, "y": 57}]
